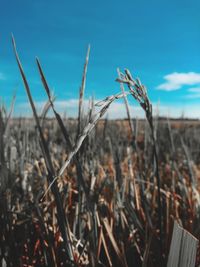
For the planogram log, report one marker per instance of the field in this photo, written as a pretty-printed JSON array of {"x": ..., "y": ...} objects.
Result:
[
  {"x": 92, "y": 191},
  {"x": 108, "y": 193}
]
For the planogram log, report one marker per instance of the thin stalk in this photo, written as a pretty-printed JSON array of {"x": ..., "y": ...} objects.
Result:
[
  {"x": 62, "y": 220},
  {"x": 82, "y": 91},
  {"x": 159, "y": 191}
]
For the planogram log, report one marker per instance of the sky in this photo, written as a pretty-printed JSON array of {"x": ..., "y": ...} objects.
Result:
[{"x": 158, "y": 41}]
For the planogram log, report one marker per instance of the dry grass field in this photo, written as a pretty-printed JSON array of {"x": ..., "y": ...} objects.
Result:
[{"x": 107, "y": 193}]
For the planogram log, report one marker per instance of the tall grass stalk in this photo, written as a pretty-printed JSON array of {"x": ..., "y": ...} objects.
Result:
[
  {"x": 139, "y": 92},
  {"x": 62, "y": 220}
]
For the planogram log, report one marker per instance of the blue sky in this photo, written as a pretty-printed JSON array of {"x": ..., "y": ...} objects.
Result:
[{"x": 158, "y": 41}]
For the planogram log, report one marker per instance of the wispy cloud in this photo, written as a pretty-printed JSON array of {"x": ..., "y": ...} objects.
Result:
[
  {"x": 194, "y": 92},
  {"x": 177, "y": 111},
  {"x": 59, "y": 104},
  {"x": 117, "y": 109},
  {"x": 2, "y": 76},
  {"x": 176, "y": 80}
]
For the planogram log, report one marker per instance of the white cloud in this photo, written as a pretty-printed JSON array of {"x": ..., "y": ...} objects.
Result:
[{"x": 176, "y": 80}]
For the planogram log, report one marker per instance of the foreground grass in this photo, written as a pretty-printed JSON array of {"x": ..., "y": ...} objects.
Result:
[{"x": 114, "y": 221}]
